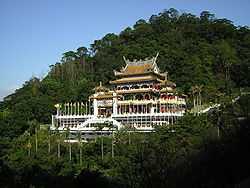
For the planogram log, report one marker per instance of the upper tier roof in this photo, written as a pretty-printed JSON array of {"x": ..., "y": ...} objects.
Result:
[
  {"x": 136, "y": 79},
  {"x": 137, "y": 67}
]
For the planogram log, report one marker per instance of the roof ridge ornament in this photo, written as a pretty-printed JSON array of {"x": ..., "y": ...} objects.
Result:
[
  {"x": 147, "y": 60},
  {"x": 126, "y": 60},
  {"x": 155, "y": 58},
  {"x": 100, "y": 88}
]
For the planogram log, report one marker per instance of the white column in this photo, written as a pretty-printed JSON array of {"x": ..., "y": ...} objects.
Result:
[
  {"x": 152, "y": 109},
  {"x": 53, "y": 122},
  {"x": 137, "y": 108},
  {"x": 77, "y": 106},
  {"x": 95, "y": 107},
  {"x": 86, "y": 108},
  {"x": 65, "y": 110},
  {"x": 67, "y": 107},
  {"x": 115, "y": 102},
  {"x": 90, "y": 108},
  {"x": 57, "y": 110},
  {"x": 71, "y": 108}
]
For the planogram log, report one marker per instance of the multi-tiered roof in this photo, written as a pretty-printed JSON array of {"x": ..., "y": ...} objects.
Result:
[{"x": 141, "y": 71}]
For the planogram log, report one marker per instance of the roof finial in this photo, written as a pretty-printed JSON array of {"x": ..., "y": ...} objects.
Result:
[
  {"x": 156, "y": 57},
  {"x": 124, "y": 58},
  {"x": 100, "y": 83}
]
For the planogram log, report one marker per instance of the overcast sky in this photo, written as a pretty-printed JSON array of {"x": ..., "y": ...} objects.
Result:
[{"x": 34, "y": 33}]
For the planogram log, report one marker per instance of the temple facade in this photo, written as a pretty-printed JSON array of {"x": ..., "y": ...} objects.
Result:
[{"x": 140, "y": 98}]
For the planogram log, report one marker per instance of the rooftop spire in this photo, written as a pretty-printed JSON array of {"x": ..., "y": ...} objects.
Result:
[
  {"x": 100, "y": 88},
  {"x": 124, "y": 58},
  {"x": 156, "y": 57}
]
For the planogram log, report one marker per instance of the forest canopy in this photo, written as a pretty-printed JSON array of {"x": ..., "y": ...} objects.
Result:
[{"x": 195, "y": 50}]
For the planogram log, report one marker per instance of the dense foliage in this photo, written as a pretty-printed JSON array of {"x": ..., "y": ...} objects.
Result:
[{"x": 205, "y": 151}]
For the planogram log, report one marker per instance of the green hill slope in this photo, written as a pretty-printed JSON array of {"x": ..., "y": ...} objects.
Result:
[{"x": 195, "y": 50}]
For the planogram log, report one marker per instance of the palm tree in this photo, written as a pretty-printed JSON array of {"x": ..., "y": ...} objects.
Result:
[
  {"x": 199, "y": 90},
  {"x": 58, "y": 148},
  {"x": 102, "y": 145},
  {"x": 112, "y": 145},
  {"x": 29, "y": 148},
  {"x": 193, "y": 93},
  {"x": 112, "y": 127},
  {"x": 49, "y": 146},
  {"x": 80, "y": 147},
  {"x": 129, "y": 137},
  {"x": 58, "y": 139},
  {"x": 100, "y": 128},
  {"x": 33, "y": 128},
  {"x": 29, "y": 144},
  {"x": 129, "y": 130},
  {"x": 227, "y": 56},
  {"x": 36, "y": 136},
  {"x": 70, "y": 148}
]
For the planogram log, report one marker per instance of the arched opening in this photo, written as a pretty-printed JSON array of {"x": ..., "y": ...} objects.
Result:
[
  {"x": 147, "y": 97},
  {"x": 128, "y": 97},
  {"x": 139, "y": 97},
  {"x": 144, "y": 86},
  {"x": 135, "y": 87},
  {"x": 163, "y": 96},
  {"x": 125, "y": 88}
]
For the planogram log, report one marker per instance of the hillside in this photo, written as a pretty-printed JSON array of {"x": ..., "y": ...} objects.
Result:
[{"x": 203, "y": 51}]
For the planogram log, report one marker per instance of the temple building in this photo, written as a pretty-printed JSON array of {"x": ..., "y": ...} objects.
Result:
[{"x": 140, "y": 98}]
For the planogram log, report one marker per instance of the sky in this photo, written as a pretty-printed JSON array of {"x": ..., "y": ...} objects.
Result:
[{"x": 35, "y": 33}]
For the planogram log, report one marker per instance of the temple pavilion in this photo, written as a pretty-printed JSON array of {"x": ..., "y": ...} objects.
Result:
[{"x": 140, "y": 98}]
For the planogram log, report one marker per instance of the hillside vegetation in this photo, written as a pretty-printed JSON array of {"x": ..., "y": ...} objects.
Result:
[{"x": 198, "y": 52}]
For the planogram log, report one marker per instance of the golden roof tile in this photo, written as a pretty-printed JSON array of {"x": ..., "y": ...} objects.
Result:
[{"x": 136, "y": 67}]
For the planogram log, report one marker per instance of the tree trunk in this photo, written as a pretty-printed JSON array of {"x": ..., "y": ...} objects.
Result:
[
  {"x": 102, "y": 147},
  {"x": 129, "y": 138},
  {"x": 198, "y": 104},
  {"x": 49, "y": 145},
  {"x": 194, "y": 101},
  {"x": 70, "y": 152},
  {"x": 112, "y": 145},
  {"x": 36, "y": 140},
  {"x": 80, "y": 157},
  {"x": 58, "y": 150},
  {"x": 29, "y": 148}
]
